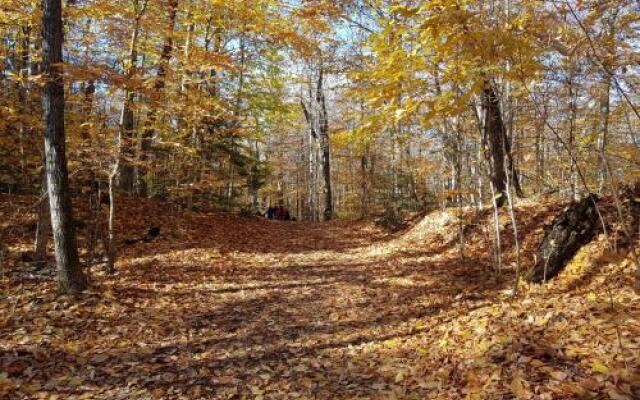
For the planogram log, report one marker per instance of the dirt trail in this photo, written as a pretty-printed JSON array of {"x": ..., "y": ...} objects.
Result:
[
  {"x": 224, "y": 307},
  {"x": 294, "y": 317}
]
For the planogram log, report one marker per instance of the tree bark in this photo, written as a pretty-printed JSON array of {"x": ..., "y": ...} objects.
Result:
[
  {"x": 43, "y": 230},
  {"x": 572, "y": 229},
  {"x": 539, "y": 149},
  {"x": 499, "y": 146},
  {"x": 70, "y": 275},
  {"x": 110, "y": 243},
  {"x": 312, "y": 137},
  {"x": 22, "y": 68},
  {"x": 254, "y": 178},
  {"x": 323, "y": 128},
  {"x": 127, "y": 170},
  {"x": 364, "y": 186},
  {"x": 605, "y": 99},
  {"x": 127, "y": 119},
  {"x": 573, "y": 114}
]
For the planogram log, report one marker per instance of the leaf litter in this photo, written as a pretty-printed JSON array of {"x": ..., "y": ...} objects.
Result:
[{"x": 224, "y": 307}]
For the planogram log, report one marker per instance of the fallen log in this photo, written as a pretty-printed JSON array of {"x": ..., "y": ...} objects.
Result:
[{"x": 573, "y": 228}]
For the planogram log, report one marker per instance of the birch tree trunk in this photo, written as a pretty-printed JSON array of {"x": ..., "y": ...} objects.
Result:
[{"x": 43, "y": 230}]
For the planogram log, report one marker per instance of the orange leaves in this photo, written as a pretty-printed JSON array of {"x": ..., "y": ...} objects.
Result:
[
  {"x": 439, "y": 53},
  {"x": 220, "y": 305},
  {"x": 318, "y": 8}
]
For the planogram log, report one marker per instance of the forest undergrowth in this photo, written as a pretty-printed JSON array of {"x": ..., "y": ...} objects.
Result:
[{"x": 221, "y": 307}]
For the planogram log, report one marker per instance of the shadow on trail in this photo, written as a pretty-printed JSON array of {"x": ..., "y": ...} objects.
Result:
[{"x": 295, "y": 323}]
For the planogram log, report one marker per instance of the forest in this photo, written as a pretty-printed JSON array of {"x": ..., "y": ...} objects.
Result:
[{"x": 319, "y": 199}]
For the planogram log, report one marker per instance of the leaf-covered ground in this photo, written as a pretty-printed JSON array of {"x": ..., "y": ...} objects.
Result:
[{"x": 223, "y": 307}]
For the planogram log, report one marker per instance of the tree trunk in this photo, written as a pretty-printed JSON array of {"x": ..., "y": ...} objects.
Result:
[
  {"x": 70, "y": 275},
  {"x": 572, "y": 229},
  {"x": 22, "y": 68},
  {"x": 323, "y": 128},
  {"x": 539, "y": 149},
  {"x": 127, "y": 120},
  {"x": 312, "y": 137},
  {"x": 499, "y": 146},
  {"x": 364, "y": 184},
  {"x": 110, "y": 242},
  {"x": 43, "y": 230},
  {"x": 603, "y": 133},
  {"x": 573, "y": 113},
  {"x": 127, "y": 171},
  {"x": 605, "y": 99},
  {"x": 254, "y": 183}
]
